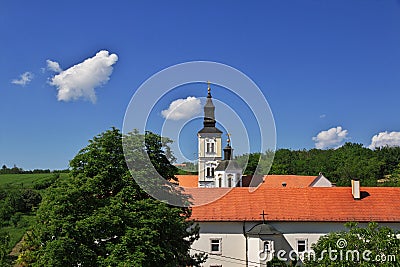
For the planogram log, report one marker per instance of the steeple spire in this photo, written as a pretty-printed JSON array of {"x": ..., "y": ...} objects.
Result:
[{"x": 209, "y": 110}]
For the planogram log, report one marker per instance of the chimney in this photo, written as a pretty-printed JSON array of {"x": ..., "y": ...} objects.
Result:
[{"x": 355, "y": 189}]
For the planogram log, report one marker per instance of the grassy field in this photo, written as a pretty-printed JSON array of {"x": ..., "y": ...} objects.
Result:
[
  {"x": 25, "y": 180},
  {"x": 18, "y": 231}
]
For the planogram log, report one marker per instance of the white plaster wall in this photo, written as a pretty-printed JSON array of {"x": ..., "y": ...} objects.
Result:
[
  {"x": 310, "y": 237},
  {"x": 219, "y": 147},
  {"x": 254, "y": 244},
  {"x": 233, "y": 247},
  {"x": 217, "y": 174},
  {"x": 232, "y": 239},
  {"x": 224, "y": 176},
  {"x": 234, "y": 242},
  {"x": 205, "y": 159},
  {"x": 202, "y": 147},
  {"x": 201, "y": 165}
]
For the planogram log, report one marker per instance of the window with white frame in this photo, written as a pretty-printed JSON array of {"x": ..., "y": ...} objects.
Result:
[
  {"x": 210, "y": 171},
  {"x": 215, "y": 245},
  {"x": 210, "y": 147},
  {"x": 301, "y": 245}
]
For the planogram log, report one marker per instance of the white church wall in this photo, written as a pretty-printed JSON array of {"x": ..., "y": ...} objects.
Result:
[
  {"x": 233, "y": 241},
  {"x": 254, "y": 247}
]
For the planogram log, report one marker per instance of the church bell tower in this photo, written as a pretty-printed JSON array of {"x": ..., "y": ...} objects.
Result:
[{"x": 210, "y": 145}]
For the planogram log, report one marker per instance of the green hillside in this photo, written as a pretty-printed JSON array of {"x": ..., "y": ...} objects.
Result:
[
  {"x": 20, "y": 194},
  {"x": 13, "y": 181}
]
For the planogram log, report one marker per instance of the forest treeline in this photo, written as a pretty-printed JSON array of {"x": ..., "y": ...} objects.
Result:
[
  {"x": 16, "y": 170},
  {"x": 378, "y": 167}
]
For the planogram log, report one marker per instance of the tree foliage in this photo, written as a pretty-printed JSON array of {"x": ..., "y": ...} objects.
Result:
[
  {"x": 4, "y": 241},
  {"x": 100, "y": 216},
  {"x": 359, "y": 246},
  {"x": 16, "y": 201},
  {"x": 16, "y": 170},
  {"x": 339, "y": 165}
]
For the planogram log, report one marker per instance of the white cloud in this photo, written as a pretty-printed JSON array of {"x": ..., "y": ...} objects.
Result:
[
  {"x": 330, "y": 138},
  {"x": 182, "y": 109},
  {"x": 24, "y": 79},
  {"x": 385, "y": 139},
  {"x": 322, "y": 116},
  {"x": 80, "y": 80},
  {"x": 53, "y": 66}
]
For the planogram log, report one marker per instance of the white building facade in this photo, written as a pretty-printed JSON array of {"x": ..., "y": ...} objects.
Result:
[{"x": 244, "y": 228}]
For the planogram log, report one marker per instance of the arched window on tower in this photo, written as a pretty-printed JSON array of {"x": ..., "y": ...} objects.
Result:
[
  {"x": 219, "y": 180},
  {"x": 230, "y": 180}
]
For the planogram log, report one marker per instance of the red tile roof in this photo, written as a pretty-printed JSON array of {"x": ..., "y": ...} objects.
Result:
[
  {"x": 381, "y": 204},
  {"x": 272, "y": 181},
  {"x": 293, "y": 181},
  {"x": 188, "y": 180},
  {"x": 202, "y": 196},
  {"x": 254, "y": 180}
]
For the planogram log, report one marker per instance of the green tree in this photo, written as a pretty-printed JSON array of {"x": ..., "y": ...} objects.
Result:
[
  {"x": 31, "y": 198},
  {"x": 248, "y": 162},
  {"x": 394, "y": 178},
  {"x": 4, "y": 250},
  {"x": 359, "y": 246},
  {"x": 255, "y": 163},
  {"x": 188, "y": 168},
  {"x": 100, "y": 216},
  {"x": 4, "y": 169},
  {"x": 390, "y": 156},
  {"x": 284, "y": 162},
  {"x": 160, "y": 154},
  {"x": 355, "y": 161},
  {"x": 339, "y": 165}
]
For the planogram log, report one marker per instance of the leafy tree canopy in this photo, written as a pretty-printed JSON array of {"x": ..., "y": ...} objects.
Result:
[
  {"x": 100, "y": 216},
  {"x": 359, "y": 246},
  {"x": 339, "y": 165}
]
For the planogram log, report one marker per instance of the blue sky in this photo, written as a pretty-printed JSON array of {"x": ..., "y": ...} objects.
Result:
[{"x": 328, "y": 69}]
